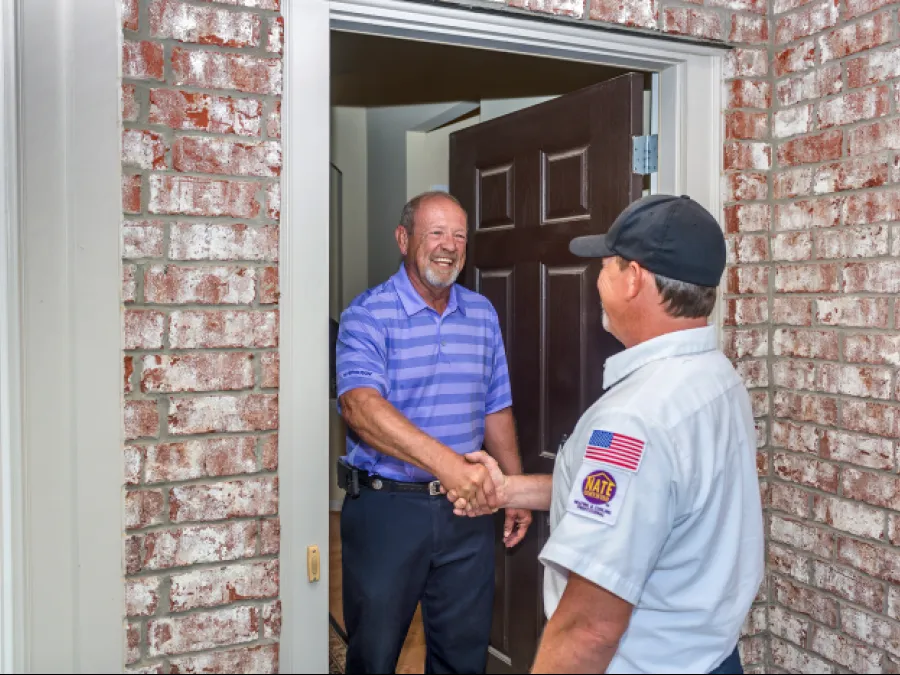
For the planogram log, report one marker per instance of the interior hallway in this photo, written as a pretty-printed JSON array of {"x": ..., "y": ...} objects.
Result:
[{"x": 412, "y": 657}]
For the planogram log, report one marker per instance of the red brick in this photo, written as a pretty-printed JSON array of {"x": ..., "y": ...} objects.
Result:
[
  {"x": 872, "y": 207},
  {"x": 191, "y": 329},
  {"x": 270, "y": 543},
  {"x": 199, "y": 544},
  {"x": 225, "y": 500},
  {"x": 744, "y": 62},
  {"x": 792, "y": 374},
  {"x": 748, "y": 156},
  {"x": 749, "y": 29},
  {"x": 742, "y": 125},
  {"x": 194, "y": 196},
  {"x": 144, "y": 329},
  {"x": 806, "y": 279},
  {"x": 792, "y": 246},
  {"x": 895, "y": 251},
  {"x": 855, "y": 8},
  {"x": 271, "y": 613},
  {"x": 801, "y": 469},
  {"x": 792, "y": 311},
  {"x": 143, "y": 508},
  {"x": 875, "y": 453},
  {"x": 270, "y": 453},
  {"x": 816, "y": 84},
  {"x": 746, "y": 249},
  {"x": 641, "y": 14},
  {"x": 878, "y": 419},
  {"x": 854, "y": 107},
  {"x": 873, "y": 67},
  {"x": 259, "y": 659},
  {"x": 200, "y": 458},
  {"x": 754, "y": 373},
  {"x": 795, "y": 59},
  {"x": 129, "y": 285},
  {"x": 269, "y": 362},
  {"x": 850, "y": 517},
  {"x": 269, "y": 287},
  {"x": 273, "y": 201},
  {"x": 131, "y": 193},
  {"x": 873, "y": 488},
  {"x": 789, "y": 562},
  {"x": 273, "y": 121},
  {"x": 129, "y": 371},
  {"x": 173, "y": 284},
  {"x": 854, "y": 242},
  {"x": 141, "y": 419},
  {"x": 191, "y": 111},
  {"x": 275, "y": 36},
  {"x": 875, "y": 631},
  {"x": 784, "y": 6},
  {"x": 217, "y": 70},
  {"x": 165, "y": 373},
  {"x": 752, "y": 650},
  {"x": 793, "y": 183},
  {"x": 210, "y": 414},
  {"x": 142, "y": 239},
  {"x": 796, "y": 437},
  {"x": 852, "y": 174},
  {"x": 866, "y": 34},
  {"x": 131, "y": 109},
  {"x": 741, "y": 343},
  {"x": 793, "y": 659},
  {"x": 574, "y": 8},
  {"x": 143, "y": 149},
  {"x": 814, "y": 19},
  {"x": 747, "y": 218},
  {"x": 875, "y": 137},
  {"x": 132, "y": 554},
  {"x": 787, "y": 625},
  {"x": 755, "y": 6},
  {"x": 141, "y": 596},
  {"x": 130, "y": 15},
  {"x": 793, "y": 121},
  {"x": 852, "y": 311},
  {"x": 746, "y": 311},
  {"x": 805, "y": 600},
  {"x": 134, "y": 463},
  {"x": 810, "y": 214},
  {"x": 206, "y": 630},
  {"x": 176, "y": 20},
  {"x": 806, "y": 408},
  {"x": 142, "y": 60},
  {"x": 811, "y": 149},
  {"x": 862, "y": 348},
  {"x": 859, "y": 657},
  {"x": 255, "y": 4},
  {"x": 791, "y": 499},
  {"x": 805, "y": 343},
  {"x": 860, "y": 381},
  {"x": 877, "y": 561},
  {"x": 894, "y": 595},
  {"x": 876, "y": 277},
  {"x": 759, "y": 402},
  {"x": 744, "y": 280},
  {"x": 224, "y": 156},
  {"x": 223, "y": 585},
  {"x": 132, "y": 642}
]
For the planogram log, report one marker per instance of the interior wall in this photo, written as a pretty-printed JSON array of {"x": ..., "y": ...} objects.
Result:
[{"x": 428, "y": 157}]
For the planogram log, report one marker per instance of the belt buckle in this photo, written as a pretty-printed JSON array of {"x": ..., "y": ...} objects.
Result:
[{"x": 434, "y": 488}]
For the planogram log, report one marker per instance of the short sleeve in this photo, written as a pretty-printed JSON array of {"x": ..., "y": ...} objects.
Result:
[
  {"x": 620, "y": 509},
  {"x": 361, "y": 352},
  {"x": 499, "y": 395}
]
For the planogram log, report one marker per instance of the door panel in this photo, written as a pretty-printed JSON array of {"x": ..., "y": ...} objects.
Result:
[{"x": 530, "y": 182}]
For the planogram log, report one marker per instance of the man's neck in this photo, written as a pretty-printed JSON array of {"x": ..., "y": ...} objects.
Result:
[
  {"x": 436, "y": 298},
  {"x": 647, "y": 330}
]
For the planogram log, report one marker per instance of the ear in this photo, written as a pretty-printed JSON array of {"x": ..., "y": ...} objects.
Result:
[
  {"x": 637, "y": 278},
  {"x": 402, "y": 237}
]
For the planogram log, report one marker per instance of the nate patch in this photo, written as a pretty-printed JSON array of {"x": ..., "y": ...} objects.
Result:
[{"x": 598, "y": 493}]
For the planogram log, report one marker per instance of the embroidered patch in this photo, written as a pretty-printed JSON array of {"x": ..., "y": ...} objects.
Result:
[
  {"x": 357, "y": 373},
  {"x": 616, "y": 449},
  {"x": 598, "y": 493}
]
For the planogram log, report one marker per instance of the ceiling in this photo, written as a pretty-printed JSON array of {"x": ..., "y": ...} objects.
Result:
[{"x": 368, "y": 70}]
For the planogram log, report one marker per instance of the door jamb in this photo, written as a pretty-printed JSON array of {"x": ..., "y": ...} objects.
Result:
[{"x": 691, "y": 140}]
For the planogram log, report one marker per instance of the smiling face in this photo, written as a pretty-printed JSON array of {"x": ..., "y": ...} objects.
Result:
[{"x": 435, "y": 251}]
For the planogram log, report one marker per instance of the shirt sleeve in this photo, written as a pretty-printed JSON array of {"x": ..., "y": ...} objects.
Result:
[
  {"x": 616, "y": 517},
  {"x": 361, "y": 352},
  {"x": 499, "y": 395}
]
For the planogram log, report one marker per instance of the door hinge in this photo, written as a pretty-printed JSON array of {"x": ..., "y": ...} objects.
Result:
[{"x": 645, "y": 154}]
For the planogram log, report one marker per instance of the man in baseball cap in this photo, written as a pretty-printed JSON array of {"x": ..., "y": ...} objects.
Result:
[{"x": 656, "y": 546}]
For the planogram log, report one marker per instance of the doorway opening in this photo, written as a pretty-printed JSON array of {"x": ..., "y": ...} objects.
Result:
[{"x": 406, "y": 117}]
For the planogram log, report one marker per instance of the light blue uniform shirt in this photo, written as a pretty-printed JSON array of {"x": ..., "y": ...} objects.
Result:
[{"x": 445, "y": 373}]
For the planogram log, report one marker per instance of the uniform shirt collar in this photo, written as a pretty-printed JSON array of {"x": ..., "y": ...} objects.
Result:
[
  {"x": 413, "y": 303},
  {"x": 679, "y": 343}
]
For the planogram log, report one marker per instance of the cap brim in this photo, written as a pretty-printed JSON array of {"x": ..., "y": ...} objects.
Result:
[{"x": 591, "y": 246}]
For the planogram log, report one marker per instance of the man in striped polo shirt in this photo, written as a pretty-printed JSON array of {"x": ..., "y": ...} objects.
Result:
[{"x": 422, "y": 380}]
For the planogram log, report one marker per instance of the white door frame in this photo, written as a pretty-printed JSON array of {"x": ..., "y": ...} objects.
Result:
[{"x": 691, "y": 134}]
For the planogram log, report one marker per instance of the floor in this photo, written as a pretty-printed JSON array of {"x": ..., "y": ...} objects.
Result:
[{"x": 412, "y": 657}]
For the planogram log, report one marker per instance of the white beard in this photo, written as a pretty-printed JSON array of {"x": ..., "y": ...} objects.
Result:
[
  {"x": 432, "y": 278},
  {"x": 605, "y": 321}
]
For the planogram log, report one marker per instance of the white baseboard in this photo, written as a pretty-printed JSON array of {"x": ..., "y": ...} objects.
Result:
[{"x": 335, "y": 505}]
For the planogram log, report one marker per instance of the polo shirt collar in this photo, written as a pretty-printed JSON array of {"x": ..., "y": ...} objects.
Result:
[
  {"x": 413, "y": 303},
  {"x": 679, "y": 343}
]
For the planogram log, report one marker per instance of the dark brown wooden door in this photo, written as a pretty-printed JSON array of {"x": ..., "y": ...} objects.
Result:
[{"x": 531, "y": 181}]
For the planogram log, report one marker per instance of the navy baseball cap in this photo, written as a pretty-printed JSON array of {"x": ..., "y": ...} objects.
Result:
[{"x": 667, "y": 235}]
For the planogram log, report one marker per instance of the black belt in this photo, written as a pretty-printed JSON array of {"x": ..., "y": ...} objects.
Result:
[{"x": 380, "y": 484}]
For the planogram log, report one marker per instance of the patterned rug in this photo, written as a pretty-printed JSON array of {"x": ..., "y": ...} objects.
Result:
[{"x": 337, "y": 648}]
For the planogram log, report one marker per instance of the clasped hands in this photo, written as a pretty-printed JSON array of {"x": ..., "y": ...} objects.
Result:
[{"x": 481, "y": 489}]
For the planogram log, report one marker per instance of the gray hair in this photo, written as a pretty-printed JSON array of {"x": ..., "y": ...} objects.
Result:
[
  {"x": 408, "y": 215},
  {"x": 682, "y": 299}
]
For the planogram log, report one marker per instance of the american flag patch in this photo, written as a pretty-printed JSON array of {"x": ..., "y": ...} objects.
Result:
[{"x": 616, "y": 449}]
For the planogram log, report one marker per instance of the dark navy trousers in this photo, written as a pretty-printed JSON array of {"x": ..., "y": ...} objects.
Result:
[
  {"x": 400, "y": 549},
  {"x": 730, "y": 666}
]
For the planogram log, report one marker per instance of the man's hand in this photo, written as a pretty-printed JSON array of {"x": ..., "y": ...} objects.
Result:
[
  {"x": 470, "y": 482},
  {"x": 516, "y": 526},
  {"x": 465, "y": 507}
]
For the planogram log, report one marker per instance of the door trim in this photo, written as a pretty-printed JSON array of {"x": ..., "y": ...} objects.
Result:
[{"x": 691, "y": 146}]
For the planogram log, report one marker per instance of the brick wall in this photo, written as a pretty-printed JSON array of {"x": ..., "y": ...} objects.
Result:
[{"x": 201, "y": 158}]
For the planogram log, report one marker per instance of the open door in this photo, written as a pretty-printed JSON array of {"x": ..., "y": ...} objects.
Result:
[{"x": 530, "y": 182}]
